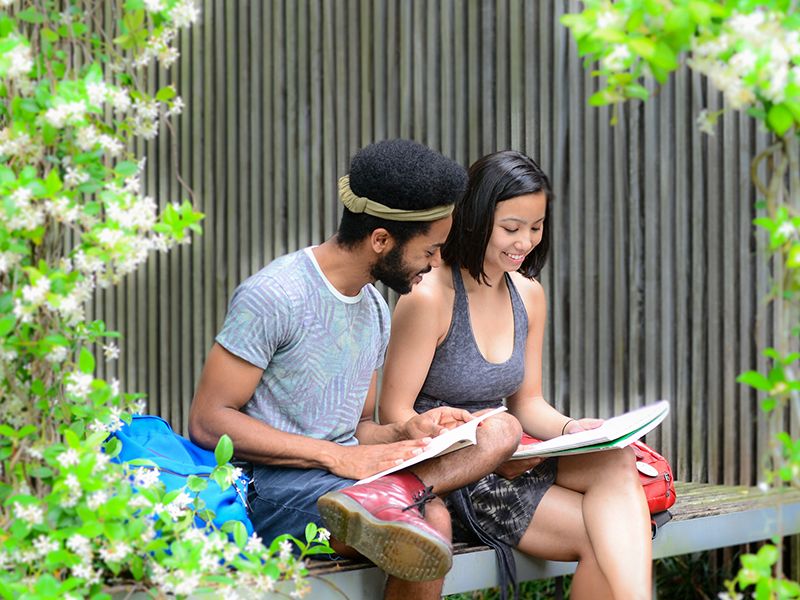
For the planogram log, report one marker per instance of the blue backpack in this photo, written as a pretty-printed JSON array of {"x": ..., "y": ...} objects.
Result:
[{"x": 152, "y": 438}]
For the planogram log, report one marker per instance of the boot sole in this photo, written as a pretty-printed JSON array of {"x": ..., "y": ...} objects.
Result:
[{"x": 397, "y": 548}]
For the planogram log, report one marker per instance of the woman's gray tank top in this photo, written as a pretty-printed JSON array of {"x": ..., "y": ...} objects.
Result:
[{"x": 459, "y": 375}]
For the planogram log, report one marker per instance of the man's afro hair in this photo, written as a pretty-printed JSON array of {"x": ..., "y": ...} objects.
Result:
[{"x": 406, "y": 175}]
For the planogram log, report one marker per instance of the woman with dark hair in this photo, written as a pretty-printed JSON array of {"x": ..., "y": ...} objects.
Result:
[{"x": 469, "y": 336}]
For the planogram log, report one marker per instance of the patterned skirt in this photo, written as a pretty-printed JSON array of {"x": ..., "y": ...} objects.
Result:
[{"x": 502, "y": 508}]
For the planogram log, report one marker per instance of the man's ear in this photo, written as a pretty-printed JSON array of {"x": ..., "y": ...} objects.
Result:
[{"x": 381, "y": 240}]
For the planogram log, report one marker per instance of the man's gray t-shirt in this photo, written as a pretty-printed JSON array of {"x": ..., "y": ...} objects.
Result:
[{"x": 318, "y": 348}]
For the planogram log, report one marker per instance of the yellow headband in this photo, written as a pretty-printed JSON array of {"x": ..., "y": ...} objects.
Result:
[{"x": 357, "y": 204}]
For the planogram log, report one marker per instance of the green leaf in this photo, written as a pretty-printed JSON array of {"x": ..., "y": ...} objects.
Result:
[
  {"x": 319, "y": 550},
  {"x": 311, "y": 532},
  {"x": 7, "y": 325},
  {"x": 664, "y": 57},
  {"x": 52, "y": 182},
  {"x": 678, "y": 20},
  {"x": 224, "y": 450},
  {"x": 30, "y": 15},
  {"x": 126, "y": 168},
  {"x": 165, "y": 93},
  {"x": 644, "y": 47},
  {"x": 196, "y": 484},
  {"x": 779, "y": 119},
  {"x": 634, "y": 90},
  {"x": 86, "y": 361},
  {"x": 239, "y": 534},
  {"x": 756, "y": 380}
]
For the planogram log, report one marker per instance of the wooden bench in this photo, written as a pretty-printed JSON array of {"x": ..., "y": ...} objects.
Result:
[{"x": 704, "y": 517}]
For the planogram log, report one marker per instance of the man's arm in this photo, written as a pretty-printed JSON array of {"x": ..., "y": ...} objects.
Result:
[{"x": 228, "y": 382}]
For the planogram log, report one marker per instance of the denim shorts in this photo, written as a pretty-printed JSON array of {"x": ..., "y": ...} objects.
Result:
[{"x": 284, "y": 499}]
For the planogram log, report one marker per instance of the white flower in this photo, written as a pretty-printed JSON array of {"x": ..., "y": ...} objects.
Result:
[
  {"x": 100, "y": 461},
  {"x": 323, "y": 535},
  {"x": 97, "y": 93},
  {"x": 705, "y": 122},
  {"x": 167, "y": 56},
  {"x": 177, "y": 106},
  {"x": 254, "y": 543},
  {"x": 743, "y": 62},
  {"x": 110, "y": 144},
  {"x": 110, "y": 237},
  {"x": 120, "y": 100},
  {"x": 61, "y": 210},
  {"x": 285, "y": 550},
  {"x": 763, "y": 486},
  {"x": 79, "y": 545},
  {"x": 146, "y": 478},
  {"x": 778, "y": 80},
  {"x": 115, "y": 553},
  {"x": 208, "y": 561},
  {"x": 44, "y": 545},
  {"x": 7, "y": 261},
  {"x": 115, "y": 387},
  {"x": 21, "y": 197},
  {"x": 86, "y": 572},
  {"x": 79, "y": 384},
  {"x": 617, "y": 59},
  {"x": 21, "y": 61},
  {"x": 265, "y": 583},
  {"x": 147, "y": 129},
  {"x": 184, "y": 14},
  {"x": 187, "y": 584},
  {"x": 154, "y": 5},
  {"x": 111, "y": 351},
  {"x": 132, "y": 184},
  {"x": 746, "y": 24},
  {"x": 97, "y": 499},
  {"x": 195, "y": 535},
  {"x": 75, "y": 177},
  {"x": 72, "y": 482},
  {"x": 57, "y": 354},
  {"x": 37, "y": 293},
  {"x": 86, "y": 137},
  {"x": 34, "y": 452},
  {"x": 30, "y": 513},
  {"x": 68, "y": 458}
]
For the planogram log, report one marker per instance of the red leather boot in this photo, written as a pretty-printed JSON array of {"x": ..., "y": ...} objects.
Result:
[{"x": 384, "y": 521}]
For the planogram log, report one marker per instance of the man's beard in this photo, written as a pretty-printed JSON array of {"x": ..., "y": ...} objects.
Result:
[{"x": 391, "y": 270}]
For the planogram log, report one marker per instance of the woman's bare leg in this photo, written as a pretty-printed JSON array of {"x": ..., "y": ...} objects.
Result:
[
  {"x": 557, "y": 532},
  {"x": 616, "y": 517}
]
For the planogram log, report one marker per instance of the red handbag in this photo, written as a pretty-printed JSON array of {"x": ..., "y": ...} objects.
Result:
[
  {"x": 654, "y": 473},
  {"x": 656, "y": 477}
]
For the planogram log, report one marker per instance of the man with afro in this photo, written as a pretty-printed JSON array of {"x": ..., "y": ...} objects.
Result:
[{"x": 292, "y": 378}]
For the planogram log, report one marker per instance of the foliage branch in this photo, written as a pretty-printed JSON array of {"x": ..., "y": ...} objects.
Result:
[
  {"x": 750, "y": 51},
  {"x": 74, "y": 523}
]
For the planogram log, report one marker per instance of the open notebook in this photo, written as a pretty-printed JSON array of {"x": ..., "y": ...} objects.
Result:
[
  {"x": 450, "y": 441},
  {"x": 616, "y": 432}
]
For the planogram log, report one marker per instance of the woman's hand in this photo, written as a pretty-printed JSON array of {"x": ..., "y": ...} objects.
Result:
[
  {"x": 511, "y": 469},
  {"x": 576, "y": 425}
]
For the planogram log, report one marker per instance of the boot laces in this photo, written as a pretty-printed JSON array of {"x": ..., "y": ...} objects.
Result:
[{"x": 420, "y": 499}]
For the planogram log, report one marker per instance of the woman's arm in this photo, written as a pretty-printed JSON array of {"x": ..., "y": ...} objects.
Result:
[
  {"x": 416, "y": 330},
  {"x": 537, "y": 416}
]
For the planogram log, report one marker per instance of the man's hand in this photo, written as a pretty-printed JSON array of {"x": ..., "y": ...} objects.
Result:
[
  {"x": 358, "y": 462},
  {"x": 435, "y": 422},
  {"x": 511, "y": 469}
]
